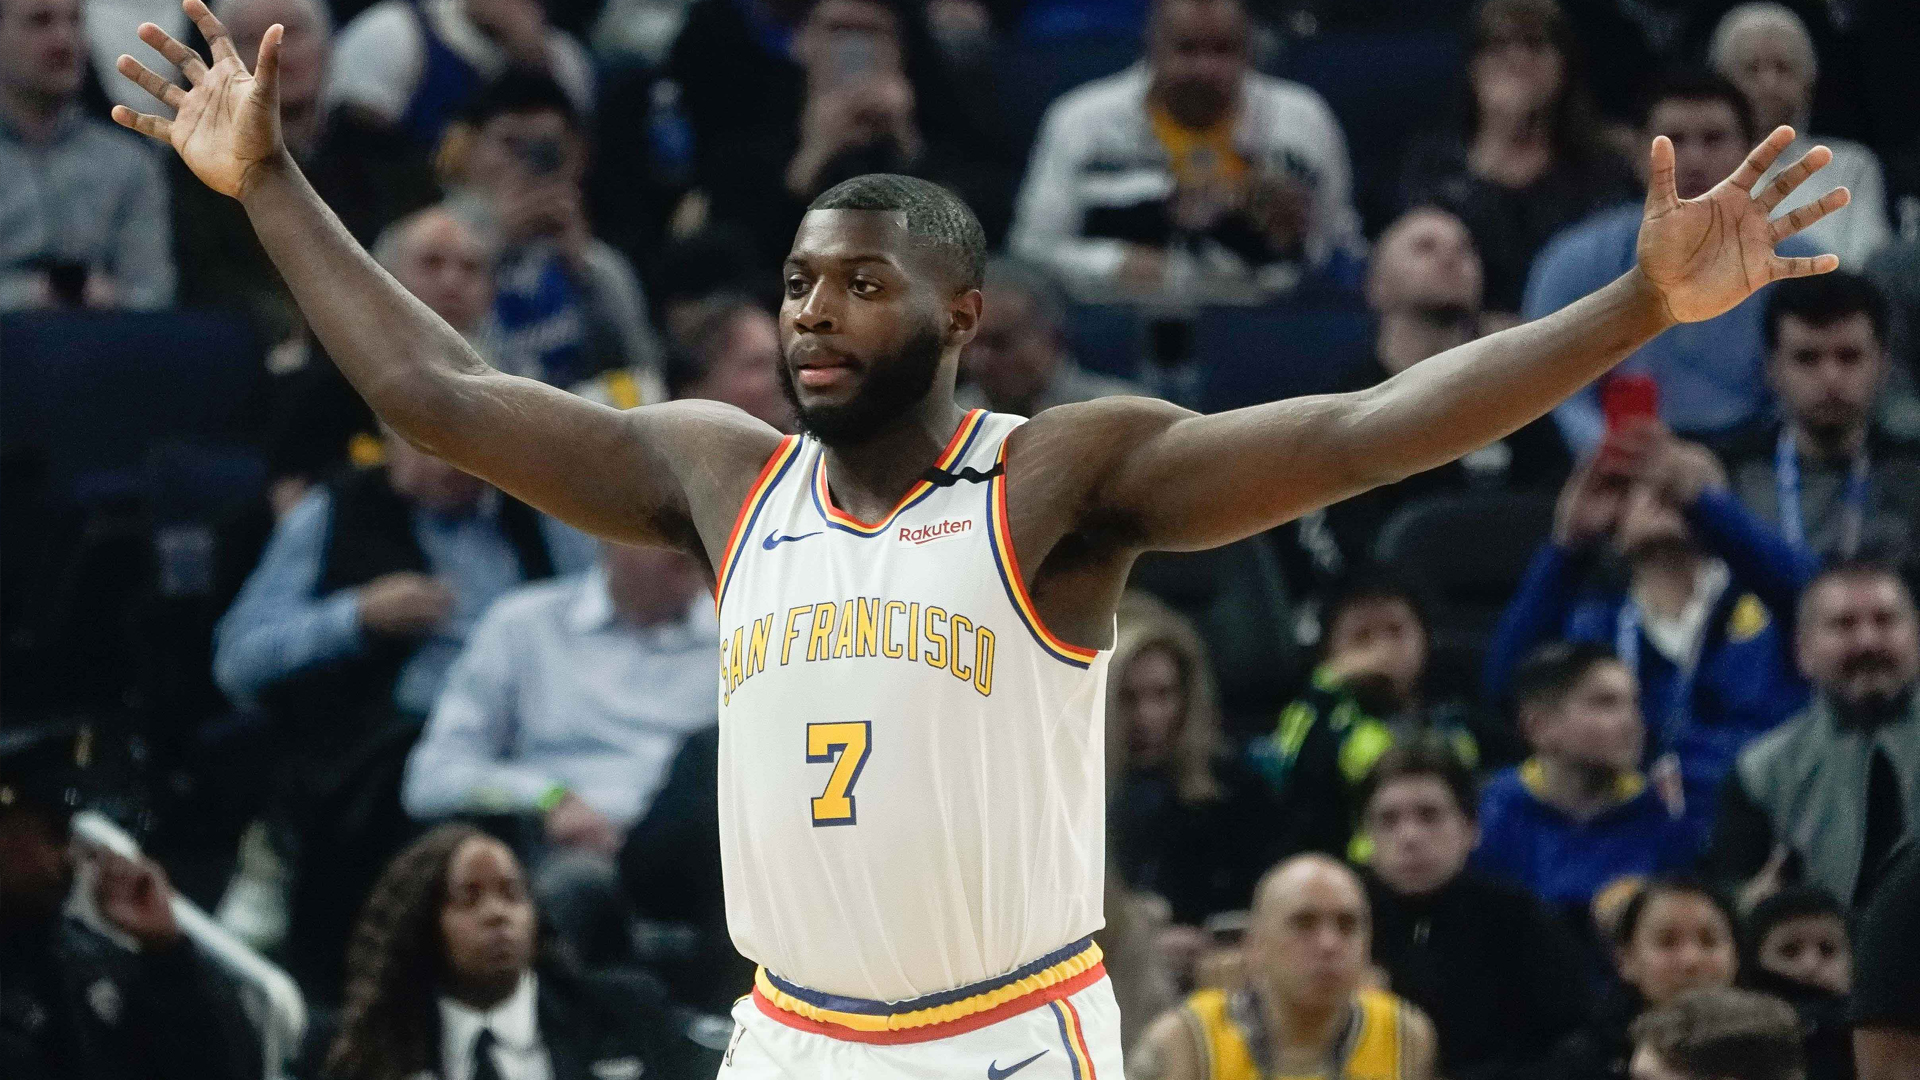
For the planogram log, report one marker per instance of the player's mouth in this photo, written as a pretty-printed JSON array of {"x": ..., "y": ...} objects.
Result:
[{"x": 820, "y": 368}]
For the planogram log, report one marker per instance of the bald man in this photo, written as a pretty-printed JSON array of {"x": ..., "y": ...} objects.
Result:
[{"x": 1303, "y": 1012}]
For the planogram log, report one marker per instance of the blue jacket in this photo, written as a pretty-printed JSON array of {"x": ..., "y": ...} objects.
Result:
[
  {"x": 1709, "y": 372},
  {"x": 1747, "y": 683},
  {"x": 1565, "y": 862}
]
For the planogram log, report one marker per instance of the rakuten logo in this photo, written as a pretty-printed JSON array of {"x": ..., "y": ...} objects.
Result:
[{"x": 939, "y": 530}]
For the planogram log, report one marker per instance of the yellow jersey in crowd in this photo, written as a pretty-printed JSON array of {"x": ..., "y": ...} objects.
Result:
[{"x": 1225, "y": 1025}]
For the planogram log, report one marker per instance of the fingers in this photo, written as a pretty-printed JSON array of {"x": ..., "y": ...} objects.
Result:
[
  {"x": 266, "y": 69},
  {"x": 1786, "y": 225},
  {"x": 1804, "y": 266},
  {"x": 167, "y": 93},
  {"x": 151, "y": 126},
  {"x": 178, "y": 55},
  {"x": 1662, "y": 196},
  {"x": 1793, "y": 176},
  {"x": 1761, "y": 159},
  {"x": 211, "y": 28}
]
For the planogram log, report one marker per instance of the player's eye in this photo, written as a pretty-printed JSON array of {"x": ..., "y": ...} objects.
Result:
[
  {"x": 796, "y": 286},
  {"x": 864, "y": 286}
]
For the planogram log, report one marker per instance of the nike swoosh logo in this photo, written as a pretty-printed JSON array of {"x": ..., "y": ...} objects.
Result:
[
  {"x": 994, "y": 1072},
  {"x": 774, "y": 539}
]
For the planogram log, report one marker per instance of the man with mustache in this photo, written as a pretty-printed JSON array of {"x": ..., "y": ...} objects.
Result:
[
  {"x": 1833, "y": 480},
  {"x": 916, "y": 602},
  {"x": 1828, "y": 796}
]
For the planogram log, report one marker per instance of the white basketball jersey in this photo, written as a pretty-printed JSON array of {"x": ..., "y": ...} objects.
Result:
[{"x": 911, "y": 777}]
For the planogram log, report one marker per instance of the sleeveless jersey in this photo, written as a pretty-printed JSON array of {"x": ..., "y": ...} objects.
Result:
[
  {"x": 911, "y": 775},
  {"x": 1369, "y": 1050}
]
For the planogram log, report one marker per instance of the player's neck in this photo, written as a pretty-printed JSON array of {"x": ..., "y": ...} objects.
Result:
[{"x": 868, "y": 479}]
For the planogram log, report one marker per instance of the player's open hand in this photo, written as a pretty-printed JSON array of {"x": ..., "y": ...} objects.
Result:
[
  {"x": 1705, "y": 255},
  {"x": 228, "y": 124}
]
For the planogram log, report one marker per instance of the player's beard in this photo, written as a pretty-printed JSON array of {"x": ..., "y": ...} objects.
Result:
[{"x": 893, "y": 385}]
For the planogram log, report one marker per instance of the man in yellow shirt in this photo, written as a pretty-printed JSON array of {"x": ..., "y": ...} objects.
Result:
[{"x": 1303, "y": 1011}]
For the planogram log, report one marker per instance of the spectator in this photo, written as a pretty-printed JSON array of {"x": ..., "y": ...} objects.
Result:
[
  {"x": 1826, "y": 474},
  {"x": 1794, "y": 947},
  {"x": 569, "y": 306},
  {"x": 319, "y": 425},
  {"x": 1766, "y": 51},
  {"x": 1018, "y": 360},
  {"x": 1497, "y": 974},
  {"x": 1183, "y": 814},
  {"x": 345, "y": 633},
  {"x": 1886, "y": 1001},
  {"x": 1717, "y": 1035},
  {"x": 1531, "y": 160},
  {"x": 875, "y": 98},
  {"x": 1189, "y": 173},
  {"x": 1896, "y": 272},
  {"x": 449, "y": 978},
  {"x": 120, "y": 992},
  {"x": 1708, "y": 372},
  {"x": 83, "y": 211},
  {"x": 413, "y": 65},
  {"x": 1423, "y": 286},
  {"x": 368, "y": 175},
  {"x": 1675, "y": 935},
  {"x": 1839, "y": 786},
  {"x": 1366, "y": 695},
  {"x": 730, "y": 353},
  {"x": 1579, "y": 813},
  {"x": 1701, "y": 620},
  {"x": 1303, "y": 999},
  {"x": 568, "y": 704}
]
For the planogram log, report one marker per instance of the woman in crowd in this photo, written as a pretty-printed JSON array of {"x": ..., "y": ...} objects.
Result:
[
  {"x": 1181, "y": 808},
  {"x": 1675, "y": 935},
  {"x": 1529, "y": 160},
  {"x": 448, "y": 976}
]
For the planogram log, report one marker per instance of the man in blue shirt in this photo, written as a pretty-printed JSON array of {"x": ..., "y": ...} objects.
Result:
[
  {"x": 1579, "y": 813},
  {"x": 1709, "y": 372},
  {"x": 1703, "y": 620}
]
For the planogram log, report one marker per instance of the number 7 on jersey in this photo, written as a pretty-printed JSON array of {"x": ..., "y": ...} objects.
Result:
[{"x": 846, "y": 745}]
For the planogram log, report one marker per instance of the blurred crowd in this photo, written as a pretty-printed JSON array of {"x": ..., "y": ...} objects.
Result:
[{"x": 1593, "y": 754}]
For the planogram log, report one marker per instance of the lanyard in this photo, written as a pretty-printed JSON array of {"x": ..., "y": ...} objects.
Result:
[
  {"x": 1626, "y": 643},
  {"x": 1786, "y": 470}
]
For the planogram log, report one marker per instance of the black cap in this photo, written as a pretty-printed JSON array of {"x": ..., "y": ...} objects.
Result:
[{"x": 45, "y": 765}]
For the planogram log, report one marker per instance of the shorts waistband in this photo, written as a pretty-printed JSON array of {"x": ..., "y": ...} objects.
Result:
[{"x": 1061, "y": 973}]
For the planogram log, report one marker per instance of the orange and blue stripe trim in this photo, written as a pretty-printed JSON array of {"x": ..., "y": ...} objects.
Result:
[
  {"x": 1074, "y": 1038},
  {"x": 957, "y": 447},
  {"x": 1050, "y": 980},
  {"x": 1001, "y": 536},
  {"x": 770, "y": 474}
]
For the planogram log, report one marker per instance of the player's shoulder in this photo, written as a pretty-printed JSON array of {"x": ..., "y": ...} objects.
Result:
[{"x": 712, "y": 430}]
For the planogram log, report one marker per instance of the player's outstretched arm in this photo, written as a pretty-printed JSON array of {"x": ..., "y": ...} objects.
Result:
[
  {"x": 1177, "y": 480},
  {"x": 609, "y": 472}
]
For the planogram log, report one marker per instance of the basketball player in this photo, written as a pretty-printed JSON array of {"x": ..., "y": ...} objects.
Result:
[
  {"x": 915, "y": 600},
  {"x": 1302, "y": 1013}
]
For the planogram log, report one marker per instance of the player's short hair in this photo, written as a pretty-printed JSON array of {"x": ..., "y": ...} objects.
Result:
[
  {"x": 1822, "y": 300},
  {"x": 936, "y": 218},
  {"x": 1551, "y": 672},
  {"x": 1721, "y": 1033},
  {"x": 1423, "y": 758},
  {"x": 1693, "y": 84}
]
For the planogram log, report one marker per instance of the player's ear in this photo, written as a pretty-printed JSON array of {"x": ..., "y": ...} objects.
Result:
[{"x": 963, "y": 318}]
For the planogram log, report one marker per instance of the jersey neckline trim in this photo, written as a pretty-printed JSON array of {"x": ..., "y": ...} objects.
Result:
[{"x": 957, "y": 447}]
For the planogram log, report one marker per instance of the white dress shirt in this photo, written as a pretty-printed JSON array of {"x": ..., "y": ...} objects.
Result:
[{"x": 517, "y": 1050}]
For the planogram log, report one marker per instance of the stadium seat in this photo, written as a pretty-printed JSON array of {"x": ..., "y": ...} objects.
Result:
[
  {"x": 1430, "y": 540},
  {"x": 1238, "y": 599},
  {"x": 1385, "y": 87},
  {"x": 1254, "y": 355}
]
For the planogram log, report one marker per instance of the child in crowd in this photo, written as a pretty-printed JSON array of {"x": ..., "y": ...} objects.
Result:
[{"x": 1796, "y": 947}]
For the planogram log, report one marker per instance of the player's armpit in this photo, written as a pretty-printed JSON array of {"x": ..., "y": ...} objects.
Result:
[{"x": 671, "y": 474}]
